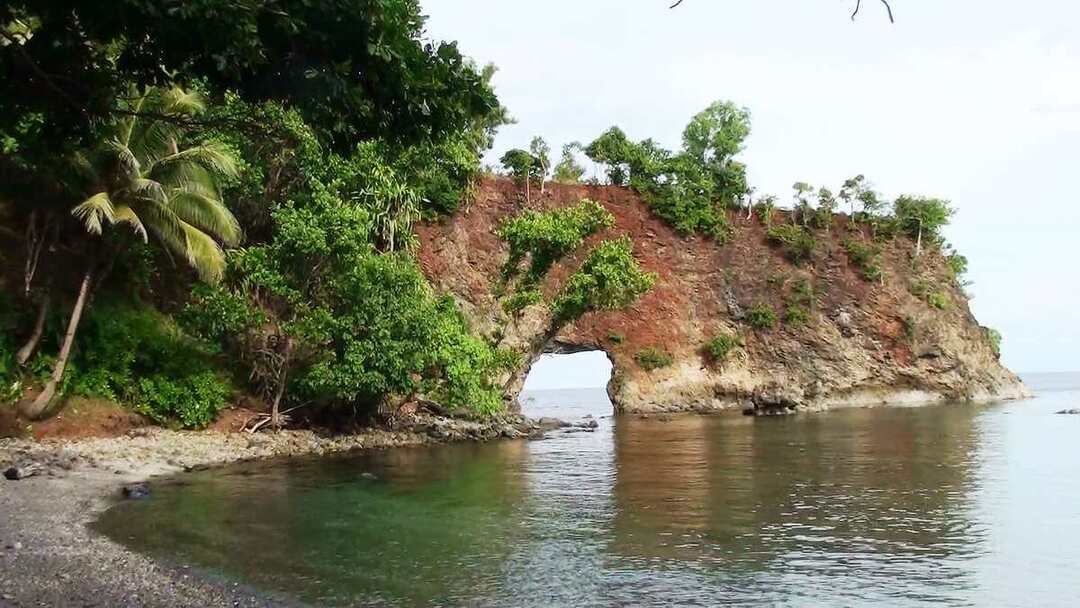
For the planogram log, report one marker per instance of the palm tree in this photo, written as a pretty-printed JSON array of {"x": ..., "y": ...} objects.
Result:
[{"x": 142, "y": 178}]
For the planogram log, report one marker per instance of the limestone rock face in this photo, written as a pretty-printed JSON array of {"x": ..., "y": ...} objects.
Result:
[{"x": 864, "y": 343}]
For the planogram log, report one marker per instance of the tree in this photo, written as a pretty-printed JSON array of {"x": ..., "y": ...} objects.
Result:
[
  {"x": 826, "y": 208},
  {"x": 712, "y": 138},
  {"x": 142, "y": 177},
  {"x": 568, "y": 171},
  {"x": 922, "y": 218},
  {"x": 541, "y": 152},
  {"x": 522, "y": 167},
  {"x": 800, "y": 204},
  {"x": 355, "y": 69}
]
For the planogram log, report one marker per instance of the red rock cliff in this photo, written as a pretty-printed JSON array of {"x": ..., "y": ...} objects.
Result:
[{"x": 864, "y": 343}]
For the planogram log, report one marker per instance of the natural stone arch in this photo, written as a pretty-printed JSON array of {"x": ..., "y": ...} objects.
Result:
[{"x": 557, "y": 346}]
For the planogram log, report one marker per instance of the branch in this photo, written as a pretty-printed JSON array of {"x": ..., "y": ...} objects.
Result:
[
  {"x": 858, "y": 5},
  {"x": 676, "y": 4}
]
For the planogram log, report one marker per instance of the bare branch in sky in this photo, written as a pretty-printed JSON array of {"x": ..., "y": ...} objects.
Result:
[{"x": 858, "y": 5}]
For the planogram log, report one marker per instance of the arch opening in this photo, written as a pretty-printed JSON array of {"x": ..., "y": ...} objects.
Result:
[{"x": 568, "y": 385}]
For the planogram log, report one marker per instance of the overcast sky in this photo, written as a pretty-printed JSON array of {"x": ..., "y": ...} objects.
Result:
[{"x": 977, "y": 101}]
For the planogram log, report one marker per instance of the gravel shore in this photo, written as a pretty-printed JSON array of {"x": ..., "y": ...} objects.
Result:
[{"x": 51, "y": 558}]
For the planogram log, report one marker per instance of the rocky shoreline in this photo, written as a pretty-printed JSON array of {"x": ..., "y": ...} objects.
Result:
[{"x": 49, "y": 556}]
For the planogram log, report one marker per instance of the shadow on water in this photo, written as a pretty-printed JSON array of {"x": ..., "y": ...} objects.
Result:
[{"x": 861, "y": 507}]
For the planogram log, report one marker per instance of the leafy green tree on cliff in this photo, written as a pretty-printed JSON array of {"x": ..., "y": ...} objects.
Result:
[
  {"x": 568, "y": 171},
  {"x": 922, "y": 218},
  {"x": 142, "y": 176},
  {"x": 522, "y": 167},
  {"x": 541, "y": 151},
  {"x": 800, "y": 203}
]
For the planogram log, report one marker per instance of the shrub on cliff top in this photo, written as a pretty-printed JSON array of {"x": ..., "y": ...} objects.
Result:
[
  {"x": 549, "y": 235},
  {"x": 652, "y": 358},
  {"x": 609, "y": 279},
  {"x": 691, "y": 189}
]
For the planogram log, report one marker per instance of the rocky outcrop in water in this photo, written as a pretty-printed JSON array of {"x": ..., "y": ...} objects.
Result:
[{"x": 862, "y": 343}]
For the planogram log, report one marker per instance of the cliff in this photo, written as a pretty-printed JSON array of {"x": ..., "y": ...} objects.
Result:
[{"x": 862, "y": 343}]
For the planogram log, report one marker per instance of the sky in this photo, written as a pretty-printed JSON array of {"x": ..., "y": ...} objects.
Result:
[{"x": 975, "y": 101}]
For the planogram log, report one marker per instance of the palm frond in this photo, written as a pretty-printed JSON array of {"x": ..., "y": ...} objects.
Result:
[
  {"x": 215, "y": 157},
  {"x": 207, "y": 213},
  {"x": 93, "y": 210},
  {"x": 180, "y": 102},
  {"x": 129, "y": 165},
  {"x": 204, "y": 254},
  {"x": 122, "y": 214},
  {"x": 185, "y": 240},
  {"x": 146, "y": 189}
]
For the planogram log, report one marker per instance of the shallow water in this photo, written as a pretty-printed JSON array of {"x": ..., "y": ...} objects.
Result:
[{"x": 944, "y": 506}]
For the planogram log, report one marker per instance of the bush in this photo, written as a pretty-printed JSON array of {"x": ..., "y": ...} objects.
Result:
[
  {"x": 910, "y": 329},
  {"x": 797, "y": 242},
  {"x": 865, "y": 257},
  {"x": 652, "y": 358},
  {"x": 721, "y": 346},
  {"x": 761, "y": 316},
  {"x": 139, "y": 357},
  {"x": 615, "y": 337},
  {"x": 522, "y": 299},
  {"x": 796, "y": 316},
  {"x": 692, "y": 189},
  {"x": 994, "y": 337},
  {"x": 609, "y": 279},
  {"x": 192, "y": 401},
  {"x": 937, "y": 300},
  {"x": 549, "y": 235}
]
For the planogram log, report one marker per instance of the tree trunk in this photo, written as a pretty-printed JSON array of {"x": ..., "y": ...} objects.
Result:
[
  {"x": 35, "y": 336},
  {"x": 283, "y": 377},
  {"x": 918, "y": 243},
  {"x": 41, "y": 402}
]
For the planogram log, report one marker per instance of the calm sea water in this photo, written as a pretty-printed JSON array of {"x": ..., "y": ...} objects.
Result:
[{"x": 938, "y": 506}]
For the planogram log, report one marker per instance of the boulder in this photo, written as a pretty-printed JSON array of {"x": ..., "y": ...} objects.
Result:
[{"x": 135, "y": 491}]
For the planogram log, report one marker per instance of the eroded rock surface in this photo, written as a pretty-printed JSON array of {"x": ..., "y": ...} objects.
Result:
[{"x": 866, "y": 342}]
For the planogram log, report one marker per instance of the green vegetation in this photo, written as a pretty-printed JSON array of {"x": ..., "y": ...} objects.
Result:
[
  {"x": 547, "y": 236},
  {"x": 692, "y": 189},
  {"x": 522, "y": 299},
  {"x": 321, "y": 161},
  {"x": 865, "y": 257},
  {"x": 138, "y": 356},
  {"x": 652, "y": 358},
  {"x": 910, "y": 329},
  {"x": 615, "y": 337},
  {"x": 609, "y": 279},
  {"x": 221, "y": 196},
  {"x": 922, "y": 219},
  {"x": 796, "y": 316},
  {"x": 569, "y": 171},
  {"x": 721, "y": 346},
  {"x": 938, "y": 300},
  {"x": 761, "y": 316},
  {"x": 994, "y": 337},
  {"x": 797, "y": 242}
]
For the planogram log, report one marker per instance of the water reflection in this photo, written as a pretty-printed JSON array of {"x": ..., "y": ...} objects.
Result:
[
  {"x": 875, "y": 507},
  {"x": 803, "y": 503}
]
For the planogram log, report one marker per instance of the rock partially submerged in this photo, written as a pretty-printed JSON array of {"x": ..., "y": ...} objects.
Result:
[
  {"x": 135, "y": 491},
  {"x": 1071, "y": 412}
]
